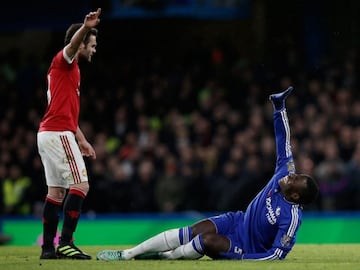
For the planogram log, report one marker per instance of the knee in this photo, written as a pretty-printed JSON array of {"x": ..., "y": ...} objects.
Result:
[
  {"x": 209, "y": 240},
  {"x": 83, "y": 188},
  {"x": 214, "y": 244},
  {"x": 57, "y": 194}
]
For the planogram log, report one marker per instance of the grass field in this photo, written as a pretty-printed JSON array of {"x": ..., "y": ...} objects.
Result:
[{"x": 309, "y": 257}]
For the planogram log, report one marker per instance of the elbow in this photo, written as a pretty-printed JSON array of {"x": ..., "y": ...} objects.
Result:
[{"x": 278, "y": 255}]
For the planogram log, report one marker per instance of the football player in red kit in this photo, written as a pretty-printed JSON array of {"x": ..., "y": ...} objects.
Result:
[{"x": 62, "y": 144}]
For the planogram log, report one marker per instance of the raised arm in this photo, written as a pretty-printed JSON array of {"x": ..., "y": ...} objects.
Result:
[
  {"x": 91, "y": 20},
  {"x": 282, "y": 132}
]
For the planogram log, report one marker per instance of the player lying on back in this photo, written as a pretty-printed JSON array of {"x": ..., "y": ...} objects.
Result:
[{"x": 265, "y": 231}]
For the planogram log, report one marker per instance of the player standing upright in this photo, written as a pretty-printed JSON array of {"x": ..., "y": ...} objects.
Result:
[
  {"x": 265, "y": 231},
  {"x": 62, "y": 144}
]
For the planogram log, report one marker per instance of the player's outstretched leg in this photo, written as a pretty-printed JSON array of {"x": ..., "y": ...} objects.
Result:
[
  {"x": 164, "y": 241},
  {"x": 278, "y": 99}
]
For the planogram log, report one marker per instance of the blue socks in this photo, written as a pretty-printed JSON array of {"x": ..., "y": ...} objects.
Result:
[{"x": 278, "y": 99}]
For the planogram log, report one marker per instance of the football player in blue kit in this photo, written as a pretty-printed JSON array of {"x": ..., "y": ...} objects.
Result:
[{"x": 265, "y": 231}]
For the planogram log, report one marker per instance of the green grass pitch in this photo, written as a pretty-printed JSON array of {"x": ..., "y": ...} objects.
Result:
[{"x": 303, "y": 256}]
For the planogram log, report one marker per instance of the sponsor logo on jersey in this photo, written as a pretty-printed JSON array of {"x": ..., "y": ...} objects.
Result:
[{"x": 272, "y": 215}]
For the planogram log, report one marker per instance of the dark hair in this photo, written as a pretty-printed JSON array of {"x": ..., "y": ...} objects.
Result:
[
  {"x": 72, "y": 30},
  {"x": 310, "y": 193}
]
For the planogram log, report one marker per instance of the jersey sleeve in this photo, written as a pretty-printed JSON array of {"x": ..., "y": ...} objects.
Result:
[
  {"x": 67, "y": 58},
  {"x": 282, "y": 246},
  {"x": 284, "y": 240},
  {"x": 284, "y": 162},
  {"x": 62, "y": 62}
]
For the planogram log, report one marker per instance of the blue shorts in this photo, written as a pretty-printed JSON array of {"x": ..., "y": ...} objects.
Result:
[{"x": 229, "y": 226}]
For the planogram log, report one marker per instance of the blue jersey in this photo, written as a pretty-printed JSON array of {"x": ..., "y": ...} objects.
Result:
[{"x": 267, "y": 229}]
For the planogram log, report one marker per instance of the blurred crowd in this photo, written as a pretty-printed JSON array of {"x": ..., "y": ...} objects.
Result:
[{"x": 195, "y": 135}]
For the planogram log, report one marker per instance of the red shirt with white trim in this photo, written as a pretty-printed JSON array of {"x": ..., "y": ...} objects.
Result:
[{"x": 63, "y": 95}]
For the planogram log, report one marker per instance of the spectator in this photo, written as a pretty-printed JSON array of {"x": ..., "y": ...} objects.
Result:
[
  {"x": 15, "y": 190},
  {"x": 332, "y": 178},
  {"x": 170, "y": 188},
  {"x": 202, "y": 113},
  {"x": 4, "y": 238},
  {"x": 143, "y": 188}
]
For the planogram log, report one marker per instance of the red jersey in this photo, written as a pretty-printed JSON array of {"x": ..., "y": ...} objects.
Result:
[{"x": 63, "y": 94}]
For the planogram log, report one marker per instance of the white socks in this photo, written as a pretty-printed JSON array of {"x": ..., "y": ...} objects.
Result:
[
  {"x": 191, "y": 251},
  {"x": 173, "y": 244},
  {"x": 164, "y": 241}
]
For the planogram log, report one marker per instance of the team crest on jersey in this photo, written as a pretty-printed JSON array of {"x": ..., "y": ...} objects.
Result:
[
  {"x": 277, "y": 211},
  {"x": 285, "y": 240},
  {"x": 84, "y": 173}
]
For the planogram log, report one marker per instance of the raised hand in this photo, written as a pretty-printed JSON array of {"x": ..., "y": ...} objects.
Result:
[{"x": 92, "y": 19}]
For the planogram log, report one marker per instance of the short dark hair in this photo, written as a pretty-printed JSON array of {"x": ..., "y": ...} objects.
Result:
[
  {"x": 72, "y": 30},
  {"x": 310, "y": 193}
]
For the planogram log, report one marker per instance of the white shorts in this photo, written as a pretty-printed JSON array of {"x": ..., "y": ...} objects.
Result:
[{"x": 63, "y": 162}]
